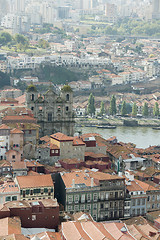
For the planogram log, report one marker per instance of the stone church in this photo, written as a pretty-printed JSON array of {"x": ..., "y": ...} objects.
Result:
[{"x": 53, "y": 111}]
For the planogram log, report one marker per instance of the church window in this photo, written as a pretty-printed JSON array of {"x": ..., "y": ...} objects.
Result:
[
  {"x": 32, "y": 97},
  {"x": 67, "y": 97},
  {"x": 49, "y": 117}
]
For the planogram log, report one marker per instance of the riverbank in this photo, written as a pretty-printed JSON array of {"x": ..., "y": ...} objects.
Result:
[{"x": 117, "y": 121}]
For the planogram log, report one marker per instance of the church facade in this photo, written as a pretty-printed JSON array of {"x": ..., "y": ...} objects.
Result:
[{"x": 54, "y": 112}]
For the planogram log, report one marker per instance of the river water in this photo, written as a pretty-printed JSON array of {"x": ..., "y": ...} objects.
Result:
[{"x": 143, "y": 137}]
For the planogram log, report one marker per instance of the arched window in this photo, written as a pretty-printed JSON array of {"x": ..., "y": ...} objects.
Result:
[
  {"x": 67, "y": 97},
  {"x": 67, "y": 108},
  {"x": 32, "y": 97}
]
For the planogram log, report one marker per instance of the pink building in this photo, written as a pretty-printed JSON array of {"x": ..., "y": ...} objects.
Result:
[
  {"x": 13, "y": 156},
  {"x": 16, "y": 140}
]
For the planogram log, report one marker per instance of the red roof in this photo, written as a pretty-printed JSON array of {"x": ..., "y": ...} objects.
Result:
[{"x": 61, "y": 137}]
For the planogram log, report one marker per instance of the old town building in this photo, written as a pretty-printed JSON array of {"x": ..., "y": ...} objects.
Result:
[
  {"x": 100, "y": 194},
  {"x": 53, "y": 111}
]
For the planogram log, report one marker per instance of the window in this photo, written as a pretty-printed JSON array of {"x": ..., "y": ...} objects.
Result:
[
  {"x": 49, "y": 117},
  {"x": 70, "y": 199},
  {"x": 52, "y": 151},
  {"x": 67, "y": 97},
  {"x": 116, "y": 195},
  {"x": 82, "y": 207},
  {"x": 76, "y": 198},
  {"x": 8, "y": 199},
  {"x": 138, "y": 201},
  {"x": 82, "y": 198},
  {"x": 69, "y": 208},
  {"x": 153, "y": 198},
  {"x": 106, "y": 196},
  {"x": 76, "y": 208},
  {"x": 32, "y": 97},
  {"x": 143, "y": 201},
  {"x": 102, "y": 205},
  {"x": 13, "y": 156},
  {"x": 33, "y": 217},
  {"x": 133, "y": 202},
  {"x": 14, "y": 198},
  {"x": 143, "y": 211},
  {"x": 88, "y": 207},
  {"x": 32, "y": 108},
  {"x": 95, "y": 197},
  {"x": 149, "y": 198},
  {"x": 88, "y": 197},
  {"x": 94, "y": 206},
  {"x": 56, "y": 151},
  {"x": 67, "y": 108},
  {"x": 138, "y": 211}
]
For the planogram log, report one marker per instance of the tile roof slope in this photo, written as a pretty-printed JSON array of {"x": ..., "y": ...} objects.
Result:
[
  {"x": 102, "y": 228},
  {"x": 79, "y": 178},
  {"x": 134, "y": 187},
  {"x": 78, "y": 141},
  {"x": 49, "y": 235},
  {"x": 104, "y": 176},
  {"x": 61, "y": 137},
  {"x": 32, "y": 173},
  {"x": 14, "y": 237},
  {"x": 70, "y": 231},
  {"x": 10, "y": 226},
  {"x": 4, "y": 126},
  {"x": 145, "y": 186},
  {"x": 19, "y": 165},
  {"x": 115, "y": 230},
  {"x": 45, "y": 138},
  {"x": 83, "y": 234},
  {"x": 8, "y": 187},
  {"x": 93, "y": 232},
  {"x": 19, "y": 117},
  {"x": 35, "y": 181},
  {"x": 16, "y": 131}
]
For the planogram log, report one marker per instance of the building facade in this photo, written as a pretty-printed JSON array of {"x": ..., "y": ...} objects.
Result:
[
  {"x": 54, "y": 112},
  {"x": 100, "y": 194}
]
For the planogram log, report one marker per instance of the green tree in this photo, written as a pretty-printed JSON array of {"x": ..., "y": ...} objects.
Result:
[
  {"x": 123, "y": 109},
  {"x": 102, "y": 109},
  {"x": 113, "y": 109},
  {"x": 21, "y": 41},
  {"x": 5, "y": 38},
  {"x": 134, "y": 110},
  {"x": 156, "y": 109},
  {"x": 43, "y": 43},
  {"x": 145, "y": 110},
  {"x": 91, "y": 105}
]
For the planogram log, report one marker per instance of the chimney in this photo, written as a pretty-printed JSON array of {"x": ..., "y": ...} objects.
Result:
[
  {"x": 73, "y": 183},
  {"x": 92, "y": 182}
]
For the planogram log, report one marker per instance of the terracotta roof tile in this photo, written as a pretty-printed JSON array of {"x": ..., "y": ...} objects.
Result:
[
  {"x": 61, "y": 137},
  {"x": 16, "y": 131},
  {"x": 4, "y": 126},
  {"x": 35, "y": 181}
]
